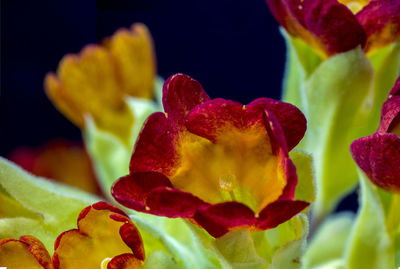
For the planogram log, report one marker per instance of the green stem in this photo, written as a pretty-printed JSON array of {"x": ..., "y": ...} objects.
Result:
[{"x": 393, "y": 219}]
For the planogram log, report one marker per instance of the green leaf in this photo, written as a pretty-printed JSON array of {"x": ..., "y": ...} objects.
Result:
[
  {"x": 109, "y": 155},
  {"x": 370, "y": 245},
  {"x": 301, "y": 61},
  {"x": 37, "y": 206},
  {"x": 178, "y": 238},
  {"x": 305, "y": 189},
  {"x": 328, "y": 244},
  {"x": 160, "y": 260},
  {"x": 335, "y": 94}
]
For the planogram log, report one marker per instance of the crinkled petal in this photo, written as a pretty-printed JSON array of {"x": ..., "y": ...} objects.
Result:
[
  {"x": 279, "y": 212},
  {"x": 381, "y": 22},
  {"x": 103, "y": 233},
  {"x": 378, "y": 156},
  {"x": 155, "y": 149},
  {"x": 132, "y": 190},
  {"x": 291, "y": 119},
  {"x": 27, "y": 252},
  {"x": 181, "y": 93},
  {"x": 390, "y": 116},
  {"x": 327, "y": 25},
  {"x": 221, "y": 218}
]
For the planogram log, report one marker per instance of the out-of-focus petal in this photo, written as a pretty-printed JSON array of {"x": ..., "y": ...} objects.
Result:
[
  {"x": 381, "y": 22},
  {"x": 390, "y": 116},
  {"x": 60, "y": 160},
  {"x": 378, "y": 156},
  {"x": 326, "y": 25}
]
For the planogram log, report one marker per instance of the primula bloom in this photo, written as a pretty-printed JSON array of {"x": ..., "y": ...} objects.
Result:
[
  {"x": 27, "y": 252},
  {"x": 96, "y": 81},
  {"x": 216, "y": 162},
  {"x": 61, "y": 160},
  {"x": 332, "y": 26},
  {"x": 105, "y": 238},
  {"x": 378, "y": 155}
]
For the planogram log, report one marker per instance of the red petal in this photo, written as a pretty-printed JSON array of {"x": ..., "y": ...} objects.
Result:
[
  {"x": 378, "y": 156},
  {"x": 381, "y": 22},
  {"x": 124, "y": 261},
  {"x": 219, "y": 219},
  {"x": 181, "y": 93},
  {"x": 279, "y": 212},
  {"x": 219, "y": 116},
  {"x": 155, "y": 147},
  {"x": 325, "y": 24},
  {"x": 390, "y": 116},
  {"x": 291, "y": 119},
  {"x": 173, "y": 203},
  {"x": 130, "y": 235},
  {"x": 132, "y": 190}
]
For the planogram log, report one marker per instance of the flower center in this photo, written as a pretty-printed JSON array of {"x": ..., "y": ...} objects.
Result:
[{"x": 239, "y": 167}]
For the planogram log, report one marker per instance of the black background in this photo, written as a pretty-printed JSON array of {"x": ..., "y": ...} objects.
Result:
[{"x": 233, "y": 48}]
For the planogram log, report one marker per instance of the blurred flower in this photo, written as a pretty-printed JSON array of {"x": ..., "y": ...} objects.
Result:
[
  {"x": 378, "y": 155},
  {"x": 216, "y": 162},
  {"x": 105, "y": 238},
  {"x": 60, "y": 160},
  {"x": 331, "y": 26},
  {"x": 96, "y": 81}
]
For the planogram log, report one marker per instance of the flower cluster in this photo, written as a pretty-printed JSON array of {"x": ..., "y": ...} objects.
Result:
[{"x": 213, "y": 183}]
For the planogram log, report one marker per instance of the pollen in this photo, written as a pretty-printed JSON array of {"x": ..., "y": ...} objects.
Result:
[{"x": 227, "y": 182}]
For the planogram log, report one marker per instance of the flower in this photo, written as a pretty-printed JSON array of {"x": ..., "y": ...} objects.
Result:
[
  {"x": 378, "y": 155},
  {"x": 218, "y": 163},
  {"x": 60, "y": 160},
  {"x": 96, "y": 81},
  {"x": 331, "y": 26},
  {"x": 105, "y": 238}
]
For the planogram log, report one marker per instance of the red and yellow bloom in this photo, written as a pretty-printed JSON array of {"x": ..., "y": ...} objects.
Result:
[
  {"x": 334, "y": 26},
  {"x": 216, "y": 162},
  {"x": 105, "y": 238},
  {"x": 378, "y": 155}
]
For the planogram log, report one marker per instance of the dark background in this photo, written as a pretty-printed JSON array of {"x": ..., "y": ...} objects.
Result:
[{"x": 233, "y": 48}]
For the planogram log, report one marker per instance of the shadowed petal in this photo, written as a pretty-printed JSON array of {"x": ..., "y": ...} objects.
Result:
[
  {"x": 219, "y": 219},
  {"x": 279, "y": 212},
  {"x": 378, "y": 155}
]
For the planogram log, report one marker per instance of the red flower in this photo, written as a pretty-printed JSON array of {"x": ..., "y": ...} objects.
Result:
[
  {"x": 216, "y": 162},
  {"x": 331, "y": 27},
  {"x": 378, "y": 155}
]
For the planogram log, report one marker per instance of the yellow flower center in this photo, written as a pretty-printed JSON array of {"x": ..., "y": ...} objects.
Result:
[{"x": 239, "y": 166}]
